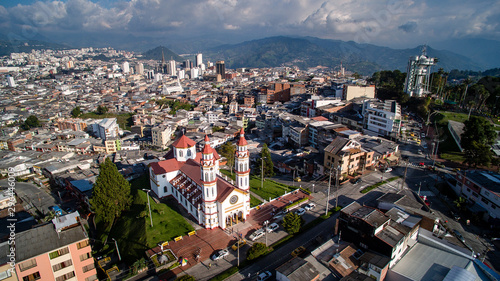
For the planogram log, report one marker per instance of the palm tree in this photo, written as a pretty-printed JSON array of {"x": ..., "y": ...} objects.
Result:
[{"x": 466, "y": 82}]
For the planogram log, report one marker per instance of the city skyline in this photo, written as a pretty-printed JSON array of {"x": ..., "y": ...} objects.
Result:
[{"x": 395, "y": 24}]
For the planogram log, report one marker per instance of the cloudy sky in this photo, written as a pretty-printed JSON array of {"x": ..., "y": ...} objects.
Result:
[{"x": 394, "y": 23}]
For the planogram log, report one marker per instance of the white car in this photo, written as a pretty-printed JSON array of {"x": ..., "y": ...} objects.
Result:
[
  {"x": 422, "y": 135},
  {"x": 257, "y": 234},
  {"x": 300, "y": 211},
  {"x": 388, "y": 170},
  {"x": 272, "y": 227},
  {"x": 310, "y": 206},
  {"x": 219, "y": 255},
  {"x": 264, "y": 276}
]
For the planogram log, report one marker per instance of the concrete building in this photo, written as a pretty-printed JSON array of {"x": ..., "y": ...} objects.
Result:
[
  {"x": 139, "y": 68},
  {"x": 107, "y": 128},
  {"x": 482, "y": 191},
  {"x": 220, "y": 68},
  {"x": 55, "y": 251},
  {"x": 296, "y": 269},
  {"x": 193, "y": 179},
  {"x": 418, "y": 74},
  {"x": 233, "y": 107},
  {"x": 382, "y": 117},
  {"x": 161, "y": 135},
  {"x": 171, "y": 68},
  {"x": 11, "y": 82},
  {"x": 126, "y": 67},
  {"x": 198, "y": 60}
]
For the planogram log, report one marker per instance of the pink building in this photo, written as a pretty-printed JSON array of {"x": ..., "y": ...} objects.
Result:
[{"x": 55, "y": 251}]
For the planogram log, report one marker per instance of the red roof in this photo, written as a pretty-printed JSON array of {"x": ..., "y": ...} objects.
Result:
[
  {"x": 319, "y": 118},
  {"x": 207, "y": 149},
  {"x": 184, "y": 142},
  {"x": 242, "y": 141},
  {"x": 223, "y": 189},
  {"x": 166, "y": 166}
]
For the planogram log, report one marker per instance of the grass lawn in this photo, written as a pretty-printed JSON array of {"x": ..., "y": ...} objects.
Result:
[
  {"x": 270, "y": 188},
  {"x": 124, "y": 120},
  {"x": 133, "y": 229},
  {"x": 453, "y": 156},
  {"x": 254, "y": 201},
  {"x": 443, "y": 116}
]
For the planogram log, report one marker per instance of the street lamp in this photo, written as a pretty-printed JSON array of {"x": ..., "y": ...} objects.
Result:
[
  {"x": 150, "y": 217},
  {"x": 262, "y": 172},
  {"x": 328, "y": 196},
  {"x": 265, "y": 229},
  {"x": 337, "y": 186},
  {"x": 117, "y": 250}
]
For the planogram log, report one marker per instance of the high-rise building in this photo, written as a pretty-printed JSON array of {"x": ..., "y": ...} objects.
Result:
[
  {"x": 220, "y": 68},
  {"x": 11, "y": 82},
  {"x": 139, "y": 68},
  {"x": 198, "y": 60},
  {"x": 126, "y": 67},
  {"x": 418, "y": 74},
  {"x": 171, "y": 68},
  {"x": 151, "y": 74},
  {"x": 194, "y": 73}
]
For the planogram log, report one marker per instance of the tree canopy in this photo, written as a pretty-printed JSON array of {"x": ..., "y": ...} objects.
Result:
[
  {"x": 257, "y": 250},
  {"x": 476, "y": 140},
  {"x": 111, "y": 193},
  {"x": 76, "y": 112},
  {"x": 268, "y": 162},
  {"x": 101, "y": 109},
  {"x": 31, "y": 122},
  {"x": 292, "y": 223}
]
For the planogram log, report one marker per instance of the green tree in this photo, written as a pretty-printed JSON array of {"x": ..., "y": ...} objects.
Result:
[
  {"x": 186, "y": 278},
  {"x": 478, "y": 154},
  {"x": 461, "y": 203},
  {"x": 479, "y": 130},
  {"x": 258, "y": 249},
  {"x": 31, "y": 122},
  {"x": 111, "y": 193},
  {"x": 76, "y": 112},
  {"x": 101, "y": 109},
  {"x": 268, "y": 162},
  {"x": 292, "y": 223},
  {"x": 228, "y": 150}
]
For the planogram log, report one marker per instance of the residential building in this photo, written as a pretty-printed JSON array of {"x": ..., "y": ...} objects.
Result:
[
  {"x": 310, "y": 107},
  {"x": 198, "y": 60},
  {"x": 382, "y": 117},
  {"x": 107, "y": 128},
  {"x": 233, "y": 107},
  {"x": 126, "y": 67},
  {"x": 6, "y": 272},
  {"x": 348, "y": 155},
  {"x": 62, "y": 251},
  {"x": 161, "y": 135},
  {"x": 418, "y": 75},
  {"x": 297, "y": 269},
  {"x": 220, "y": 68},
  {"x": 194, "y": 180},
  {"x": 482, "y": 191},
  {"x": 72, "y": 124}
]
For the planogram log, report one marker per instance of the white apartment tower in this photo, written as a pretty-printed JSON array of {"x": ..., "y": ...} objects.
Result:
[
  {"x": 198, "y": 60},
  {"x": 171, "y": 68},
  {"x": 139, "y": 68},
  {"x": 126, "y": 67},
  {"x": 418, "y": 74}
]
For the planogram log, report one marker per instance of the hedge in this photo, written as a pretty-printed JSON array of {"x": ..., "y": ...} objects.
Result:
[
  {"x": 373, "y": 186},
  {"x": 296, "y": 203}
]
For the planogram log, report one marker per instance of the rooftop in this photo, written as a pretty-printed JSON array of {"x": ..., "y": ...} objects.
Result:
[{"x": 486, "y": 179}]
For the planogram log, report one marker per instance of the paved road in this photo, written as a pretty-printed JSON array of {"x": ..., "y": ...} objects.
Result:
[{"x": 31, "y": 194}]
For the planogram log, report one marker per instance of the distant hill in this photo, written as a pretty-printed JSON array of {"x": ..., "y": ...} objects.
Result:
[
  {"x": 309, "y": 52},
  {"x": 25, "y": 46},
  {"x": 156, "y": 54}
]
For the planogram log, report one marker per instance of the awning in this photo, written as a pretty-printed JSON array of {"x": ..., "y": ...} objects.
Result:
[{"x": 392, "y": 158}]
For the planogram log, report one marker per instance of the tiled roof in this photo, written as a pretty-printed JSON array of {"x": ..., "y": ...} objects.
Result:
[
  {"x": 166, "y": 166},
  {"x": 183, "y": 142},
  {"x": 336, "y": 145},
  {"x": 242, "y": 141}
]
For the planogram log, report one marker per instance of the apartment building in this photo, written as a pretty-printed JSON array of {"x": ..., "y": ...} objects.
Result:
[
  {"x": 55, "y": 251},
  {"x": 482, "y": 191},
  {"x": 382, "y": 117},
  {"x": 161, "y": 135},
  {"x": 107, "y": 128},
  {"x": 350, "y": 92}
]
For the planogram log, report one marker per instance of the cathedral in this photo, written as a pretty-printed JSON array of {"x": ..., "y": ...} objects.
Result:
[{"x": 194, "y": 180}]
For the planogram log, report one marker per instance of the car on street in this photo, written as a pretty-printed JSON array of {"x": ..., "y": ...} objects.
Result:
[
  {"x": 239, "y": 244},
  {"x": 387, "y": 170},
  {"x": 264, "y": 276},
  {"x": 421, "y": 164},
  {"x": 422, "y": 135},
  {"x": 298, "y": 251},
  {"x": 272, "y": 227},
  {"x": 420, "y": 152},
  {"x": 300, "y": 211},
  {"x": 356, "y": 181},
  {"x": 257, "y": 234},
  {"x": 279, "y": 215},
  {"x": 219, "y": 255},
  {"x": 310, "y": 206}
]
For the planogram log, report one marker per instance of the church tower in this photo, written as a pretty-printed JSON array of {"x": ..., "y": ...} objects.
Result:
[
  {"x": 242, "y": 166},
  {"x": 208, "y": 166}
]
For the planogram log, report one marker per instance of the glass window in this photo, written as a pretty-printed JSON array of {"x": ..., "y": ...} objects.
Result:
[
  {"x": 27, "y": 265},
  {"x": 85, "y": 256},
  {"x": 82, "y": 244},
  {"x": 66, "y": 276},
  {"x": 59, "y": 253},
  {"x": 31, "y": 277},
  {"x": 61, "y": 265},
  {"x": 88, "y": 267}
]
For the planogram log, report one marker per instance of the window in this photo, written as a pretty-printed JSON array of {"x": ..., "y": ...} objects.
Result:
[
  {"x": 188, "y": 153},
  {"x": 82, "y": 244},
  {"x": 329, "y": 158},
  {"x": 91, "y": 278},
  {"x": 85, "y": 256},
  {"x": 468, "y": 189},
  {"x": 27, "y": 265},
  {"x": 493, "y": 206},
  {"x": 34, "y": 276},
  {"x": 58, "y": 253},
  {"x": 66, "y": 276},
  {"x": 180, "y": 153},
  {"x": 62, "y": 265},
  {"x": 88, "y": 267},
  {"x": 165, "y": 189},
  {"x": 484, "y": 201},
  {"x": 475, "y": 194}
]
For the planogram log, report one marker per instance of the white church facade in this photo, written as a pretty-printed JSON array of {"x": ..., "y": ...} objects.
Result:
[{"x": 194, "y": 180}]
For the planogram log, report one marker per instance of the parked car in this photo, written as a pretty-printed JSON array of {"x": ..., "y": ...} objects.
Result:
[
  {"x": 300, "y": 211},
  {"x": 421, "y": 164},
  {"x": 420, "y": 152},
  {"x": 257, "y": 234},
  {"x": 356, "y": 181},
  {"x": 272, "y": 227},
  {"x": 279, "y": 215},
  {"x": 238, "y": 244},
  {"x": 387, "y": 170},
  {"x": 219, "y": 255},
  {"x": 298, "y": 251},
  {"x": 310, "y": 206},
  {"x": 264, "y": 276},
  {"x": 56, "y": 210},
  {"x": 422, "y": 135}
]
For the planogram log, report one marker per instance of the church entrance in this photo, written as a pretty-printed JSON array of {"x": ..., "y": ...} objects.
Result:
[{"x": 234, "y": 218}]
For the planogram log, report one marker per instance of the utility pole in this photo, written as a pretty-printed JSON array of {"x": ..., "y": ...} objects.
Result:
[
  {"x": 328, "y": 197},
  {"x": 404, "y": 176},
  {"x": 337, "y": 186},
  {"x": 265, "y": 229},
  {"x": 117, "y": 250}
]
